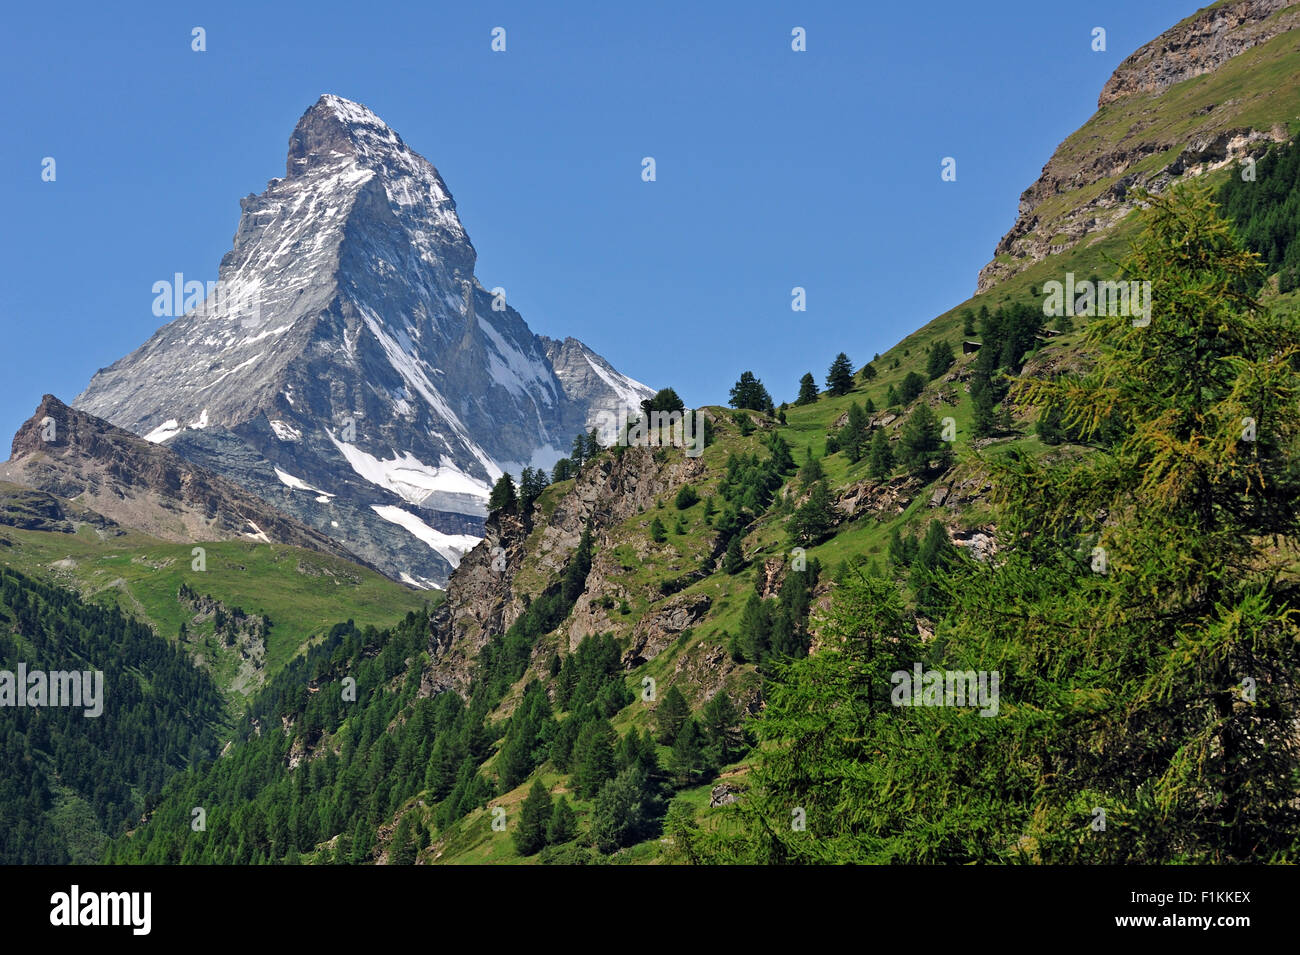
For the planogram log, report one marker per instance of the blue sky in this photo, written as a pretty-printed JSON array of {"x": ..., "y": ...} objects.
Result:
[{"x": 775, "y": 169}]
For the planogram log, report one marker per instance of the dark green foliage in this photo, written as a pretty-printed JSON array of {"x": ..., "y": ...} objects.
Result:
[
  {"x": 686, "y": 762},
  {"x": 853, "y": 436},
  {"x": 671, "y": 712},
  {"x": 967, "y": 322},
  {"x": 777, "y": 629},
  {"x": 563, "y": 824},
  {"x": 720, "y": 723},
  {"x": 932, "y": 571},
  {"x": 868, "y": 371},
  {"x": 920, "y": 444},
  {"x": 910, "y": 388},
  {"x": 1267, "y": 213},
  {"x": 532, "y": 482},
  {"x": 839, "y": 379},
  {"x": 658, "y": 533},
  {"x": 813, "y": 520},
  {"x": 593, "y": 758},
  {"x": 593, "y": 673},
  {"x": 624, "y": 812},
  {"x": 807, "y": 390},
  {"x": 528, "y": 738},
  {"x": 940, "y": 359},
  {"x": 530, "y": 830},
  {"x": 891, "y": 397},
  {"x": 880, "y": 460},
  {"x": 503, "y": 494},
  {"x": 733, "y": 559},
  {"x": 748, "y": 393},
  {"x": 159, "y": 715},
  {"x": 686, "y": 497},
  {"x": 665, "y": 399},
  {"x": 403, "y": 851},
  {"x": 562, "y": 471}
]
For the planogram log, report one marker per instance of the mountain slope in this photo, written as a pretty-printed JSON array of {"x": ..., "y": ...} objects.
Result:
[
  {"x": 1203, "y": 95},
  {"x": 347, "y": 352}
]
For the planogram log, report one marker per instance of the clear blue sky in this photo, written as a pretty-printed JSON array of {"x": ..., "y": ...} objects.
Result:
[{"x": 775, "y": 169}]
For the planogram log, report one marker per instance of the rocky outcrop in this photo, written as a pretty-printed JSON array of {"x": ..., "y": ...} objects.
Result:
[
  {"x": 1114, "y": 153},
  {"x": 144, "y": 486},
  {"x": 1200, "y": 44}
]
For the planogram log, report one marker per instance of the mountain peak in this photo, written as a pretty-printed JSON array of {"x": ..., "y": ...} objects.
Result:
[{"x": 334, "y": 129}]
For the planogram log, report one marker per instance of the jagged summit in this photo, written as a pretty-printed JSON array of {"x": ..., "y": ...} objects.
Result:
[{"x": 348, "y": 349}]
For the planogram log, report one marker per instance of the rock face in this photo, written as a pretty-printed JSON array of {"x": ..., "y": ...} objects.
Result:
[
  {"x": 148, "y": 487},
  {"x": 1131, "y": 142},
  {"x": 349, "y": 367},
  {"x": 1198, "y": 45}
]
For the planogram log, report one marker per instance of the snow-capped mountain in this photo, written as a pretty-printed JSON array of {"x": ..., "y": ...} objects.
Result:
[{"x": 349, "y": 367}]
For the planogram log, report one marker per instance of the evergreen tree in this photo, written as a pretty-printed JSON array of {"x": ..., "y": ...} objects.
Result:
[
  {"x": 754, "y": 636},
  {"x": 503, "y": 494},
  {"x": 529, "y": 833},
  {"x": 807, "y": 390},
  {"x": 657, "y": 532},
  {"x": 672, "y": 711},
  {"x": 733, "y": 561},
  {"x": 748, "y": 393},
  {"x": 868, "y": 371},
  {"x": 853, "y": 436},
  {"x": 621, "y": 814},
  {"x": 880, "y": 462},
  {"x": 593, "y": 758},
  {"x": 839, "y": 379},
  {"x": 562, "y": 471},
  {"x": 686, "y": 762},
  {"x": 402, "y": 851},
  {"x": 919, "y": 443},
  {"x": 940, "y": 359},
  {"x": 563, "y": 824},
  {"x": 814, "y": 519},
  {"x": 910, "y": 388},
  {"x": 720, "y": 722}
]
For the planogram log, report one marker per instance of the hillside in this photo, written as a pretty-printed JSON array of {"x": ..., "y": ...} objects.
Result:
[{"x": 656, "y": 657}]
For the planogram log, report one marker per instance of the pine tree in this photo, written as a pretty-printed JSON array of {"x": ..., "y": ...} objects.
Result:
[
  {"x": 720, "y": 722},
  {"x": 621, "y": 814},
  {"x": 529, "y": 833},
  {"x": 748, "y": 393},
  {"x": 812, "y": 471},
  {"x": 733, "y": 561},
  {"x": 853, "y": 436},
  {"x": 813, "y": 520},
  {"x": 868, "y": 371},
  {"x": 402, "y": 851},
  {"x": 503, "y": 494},
  {"x": 593, "y": 758},
  {"x": 686, "y": 761},
  {"x": 657, "y": 532},
  {"x": 910, "y": 388},
  {"x": 671, "y": 712},
  {"x": 839, "y": 379},
  {"x": 880, "y": 462},
  {"x": 940, "y": 359},
  {"x": 563, "y": 824},
  {"x": 919, "y": 442},
  {"x": 807, "y": 390}
]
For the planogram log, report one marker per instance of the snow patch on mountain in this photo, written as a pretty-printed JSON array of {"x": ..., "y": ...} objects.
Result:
[{"x": 451, "y": 547}]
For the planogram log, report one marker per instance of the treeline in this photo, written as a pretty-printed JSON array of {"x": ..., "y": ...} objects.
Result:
[{"x": 1266, "y": 211}]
